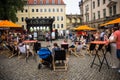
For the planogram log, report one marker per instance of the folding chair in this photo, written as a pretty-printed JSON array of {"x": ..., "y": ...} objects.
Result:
[
  {"x": 60, "y": 55},
  {"x": 100, "y": 48},
  {"x": 37, "y": 46},
  {"x": 27, "y": 51},
  {"x": 65, "y": 46}
]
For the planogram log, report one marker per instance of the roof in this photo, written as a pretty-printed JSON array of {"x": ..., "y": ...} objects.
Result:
[{"x": 45, "y": 2}]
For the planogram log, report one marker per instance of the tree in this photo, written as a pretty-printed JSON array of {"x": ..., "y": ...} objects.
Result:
[{"x": 9, "y": 8}]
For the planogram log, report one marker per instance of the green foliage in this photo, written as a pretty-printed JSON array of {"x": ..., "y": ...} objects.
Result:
[{"x": 9, "y": 8}]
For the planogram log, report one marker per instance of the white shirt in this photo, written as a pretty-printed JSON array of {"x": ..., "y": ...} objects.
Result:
[{"x": 23, "y": 49}]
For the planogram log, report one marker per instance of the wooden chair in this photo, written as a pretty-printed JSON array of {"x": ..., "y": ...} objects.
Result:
[
  {"x": 65, "y": 46},
  {"x": 27, "y": 52},
  {"x": 60, "y": 56}
]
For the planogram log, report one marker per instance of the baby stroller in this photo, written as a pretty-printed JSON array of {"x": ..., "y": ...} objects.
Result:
[{"x": 46, "y": 57}]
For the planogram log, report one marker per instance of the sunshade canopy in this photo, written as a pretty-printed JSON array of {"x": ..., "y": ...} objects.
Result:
[
  {"x": 115, "y": 21},
  {"x": 9, "y": 24},
  {"x": 84, "y": 27}
]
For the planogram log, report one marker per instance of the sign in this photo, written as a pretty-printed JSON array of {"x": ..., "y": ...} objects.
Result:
[{"x": 39, "y": 22}]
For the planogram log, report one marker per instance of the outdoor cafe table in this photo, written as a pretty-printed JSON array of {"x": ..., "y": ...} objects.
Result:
[
  {"x": 102, "y": 43},
  {"x": 28, "y": 42}
]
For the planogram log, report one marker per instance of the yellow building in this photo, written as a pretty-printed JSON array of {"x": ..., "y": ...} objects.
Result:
[{"x": 44, "y": 9}]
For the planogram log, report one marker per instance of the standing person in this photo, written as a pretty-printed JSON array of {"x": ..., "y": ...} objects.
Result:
[
  {"x": 102, "y": 35},
  {"x": 114, "y": 63},
  {"x": 47, "y": 37},
  {"x": 117, "y": 40}
]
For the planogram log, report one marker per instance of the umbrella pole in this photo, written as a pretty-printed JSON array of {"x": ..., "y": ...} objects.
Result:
[{"x": 7, "y": 35}]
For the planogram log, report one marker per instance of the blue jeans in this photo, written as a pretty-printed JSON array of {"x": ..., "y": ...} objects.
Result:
[{"x": 118, "y": 53}]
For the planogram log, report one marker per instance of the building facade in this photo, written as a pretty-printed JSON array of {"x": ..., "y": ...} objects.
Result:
[
  {"x": 96, "y": 12},
  {"x": 73, "y": 20},
  {"x": 55, "y": 9}
]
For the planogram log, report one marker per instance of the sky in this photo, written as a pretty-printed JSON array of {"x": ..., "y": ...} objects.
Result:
[{"x": 72, "y": 6}]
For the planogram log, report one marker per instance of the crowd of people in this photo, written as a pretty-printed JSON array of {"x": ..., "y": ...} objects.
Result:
[{"x": 78, "y": 42}]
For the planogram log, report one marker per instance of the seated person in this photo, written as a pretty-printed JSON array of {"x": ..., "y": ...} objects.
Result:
[
  {"x": 79, "y": 49},
  {"x": 65, "y": 42},
  {"x": 72, "y": 47},
  {"x": 64, "y": 45},
  {"x": 55, "y": 47},
  {"x": 15, "y": 50},
  {"x": 24, "y": 48}
]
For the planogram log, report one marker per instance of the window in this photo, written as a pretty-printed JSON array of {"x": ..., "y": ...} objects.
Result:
[
  {"x": 104, "y": 13},
  {"x": 93, "y": 16},
  {"x": 87, "y": 18},
  {"x": 57, "y": 10},
  {"x": 47, "y": 1},
  {"x": 41, "y": 1},
  {"x": 114, "y": 9},
  {"x": 59, "y": 1},
  {"x": 41, "y": 10},
  {"x": 36, "y": 10},
  {"x": 110, "y": 11},
  {"x": 61, "y": 18},
  {"x": 35, "y": 1},
  {"x": 45, "y": 10},
  {"x": 32, "y": 10},
  {"x": 57, "y": 25},
  {"x": 53, "y": 10},
  {"x": 22, "y": 11},
  {"x": 57, "y": 18},
  {"x": 86, "y": 8},
  {"x": 53, "y": 1},
  {"x": 93, "y": 4},
  {"x": 61, "y": 25},
  {"x": 26, "y": 10},
  {"x": 61, "y": 10},
  {"x": 98, "y": 14},
  {"x": 49, "y": 10},
  {"x": 22, "y": 19},
  {"x": 104, "y": 1},
  {"x": 98, "y": 3}
]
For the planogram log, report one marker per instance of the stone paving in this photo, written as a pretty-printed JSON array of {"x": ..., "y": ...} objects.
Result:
[{"x": 78, "y": 69}]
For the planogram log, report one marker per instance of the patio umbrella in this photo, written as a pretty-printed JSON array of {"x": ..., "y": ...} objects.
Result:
[
  {"x": 6, "y": 25},
  {"x": 9, "y": 24},
  {"x": 115, "y": 21},
  {"x": 84, "y": 27}
]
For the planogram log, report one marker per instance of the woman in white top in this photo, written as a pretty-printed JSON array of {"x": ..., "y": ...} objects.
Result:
[{"x": 114, "y": 59}]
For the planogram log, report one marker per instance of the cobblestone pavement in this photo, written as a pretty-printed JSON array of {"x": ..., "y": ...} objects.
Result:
[{"x": 78, "y": 69}]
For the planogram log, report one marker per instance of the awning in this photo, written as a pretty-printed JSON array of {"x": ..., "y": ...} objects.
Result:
[
  {"x": 115, "y": 21},
  {"x": 84, "y": 27}
]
